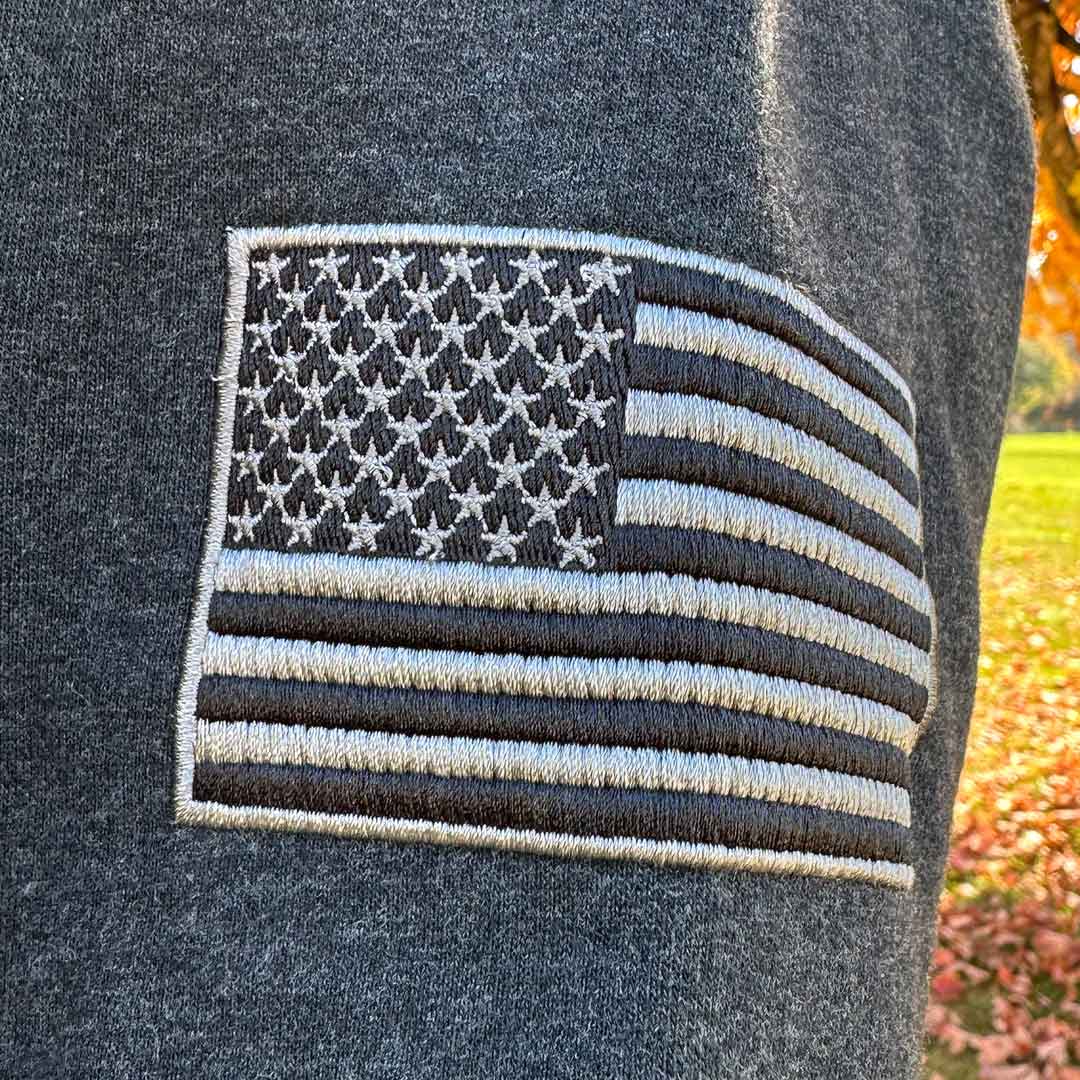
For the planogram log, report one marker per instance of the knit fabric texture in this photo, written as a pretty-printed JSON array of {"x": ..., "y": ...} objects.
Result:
[{"x": 878, "y": 160}]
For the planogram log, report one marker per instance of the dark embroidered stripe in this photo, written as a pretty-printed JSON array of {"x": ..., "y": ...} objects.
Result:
[
  {"x": 649, "y": 457},
  {"x": 480, "y": 630},
  {"x": 634, "y": 724},
  {"x": 706, "y": 819},
  {"x": 650, "y": 367},
  {"x": 729, "y": 299},
  {"x": 721, "y": 558}
]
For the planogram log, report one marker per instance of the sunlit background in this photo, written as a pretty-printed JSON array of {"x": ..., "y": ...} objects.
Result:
[{"x": 1005, "y": 984}]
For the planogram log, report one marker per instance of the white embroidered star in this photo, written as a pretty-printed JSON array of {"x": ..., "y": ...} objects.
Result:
[
  {"x": 598, "y": 339},
  {"x": 295, "y": 298},
  {"x": 583, "y": 476},
  {"x": 290, "y": 361},
  {"x": 552, "y": 437},
  {"x": 431, "y": 539},
  {"x": 341, "y": 427},
  {"x": 577, "y": 548},
  {"x": 525, "y": 334},
  {"x": 471, "y": 503},
  {"x": 491, "y": 301},
  {"x": 401, "y": 497},
  {"x": 502, "y": 543},
  {"x": 559, "y": 371},
  {"x": 439, "y": 466},
  {"x": 269, "y": 269},
  {"x": 544, "y": 507},
  {"x": 364, "y": 533},
  {"x": 590, "y": 408},
  {"x": 394, "y": 264},
  {"x": 453, "y": 333},
  {"x": 602, "y": 275},
  {"x": 377, "y": 396},
  {"x": 385, "y": 329},
  {"x": 486, "y": 367},
  {"x": 423, "y": 297},
  {"x": 313, "y": 392},
  {"x": 335, "y": 493},
  {"x": 357, "y": 296},
  {"x": 256, "y": 397},
  {"x": 309, "y": 461},
  {"x": 321, "y": 326},
  {"x": 564, "y": 305},
  {"x": 372, "y": 465},
  {"x": 349, "y": 361},
  {"x": 532, "y": 268},
  {"x": 264, "y": 330},
  {"x": 276, "y": 492},
  {"x": 409, "y": 429},
  {"x": 328, "y": 265},
  {"x": 459, "y": 265},
  {"x": 517, "y": 401},
  {"x": 248, "y": 462},
  {"x": 445, "y": 400},
  {"x": 510, "y": 470},
  {"x": 280, "y": 424},
  {"x": 414, "y": 365},
  {"x": 478, "y": 434},
  {"x": 244, "y": 526},
  {"x": 302, "y": 526}
]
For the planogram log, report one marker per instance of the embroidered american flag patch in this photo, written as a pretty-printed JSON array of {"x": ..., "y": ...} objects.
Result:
[{"x": 556, "y": 543}]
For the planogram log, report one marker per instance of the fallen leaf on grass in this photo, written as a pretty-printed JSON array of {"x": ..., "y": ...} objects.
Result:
[{"x": 998, "y": 1049}]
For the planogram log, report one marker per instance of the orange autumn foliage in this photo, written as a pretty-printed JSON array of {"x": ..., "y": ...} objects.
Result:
[{"x": 1046, "y": 35}]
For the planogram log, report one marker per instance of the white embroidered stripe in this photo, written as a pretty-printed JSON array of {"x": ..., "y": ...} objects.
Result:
[
  {"x": 559, "y": 677},
  {"x": 412, "y": 581},
  {"x": 692, "y": 331},
  {"x": 684, "y": 416},
  {"x": 244, "y": 241},
  {"x": 662, "y": 852},
  {"x": 550, "y": 763},
  {"x": 690, "y": 506}
]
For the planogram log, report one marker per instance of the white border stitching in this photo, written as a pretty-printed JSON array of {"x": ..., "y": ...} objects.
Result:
[
  {"x": 676, "y": 853},
  {"x": 225, "y": 391}
]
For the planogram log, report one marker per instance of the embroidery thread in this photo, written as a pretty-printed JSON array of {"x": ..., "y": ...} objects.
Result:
[
  {"x": 430, "y": 402},
  {"x": 556, "y": 543}
]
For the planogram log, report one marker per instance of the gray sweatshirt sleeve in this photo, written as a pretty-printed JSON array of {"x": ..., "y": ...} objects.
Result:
[{"x": 492, "y": 501}]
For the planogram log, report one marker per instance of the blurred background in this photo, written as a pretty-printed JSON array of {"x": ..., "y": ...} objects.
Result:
[{"x": 1005, "y": 983}]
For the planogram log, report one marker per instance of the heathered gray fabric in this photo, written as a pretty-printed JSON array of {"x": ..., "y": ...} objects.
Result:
[{"x": 878, "y": 155}]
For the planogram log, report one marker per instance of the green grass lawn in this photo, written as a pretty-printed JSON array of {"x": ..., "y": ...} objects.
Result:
[
  {"x": 1035, "y": 510},
  {"x": 1015, "y": 862},
  {"x": 1031, "y": 552}
]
